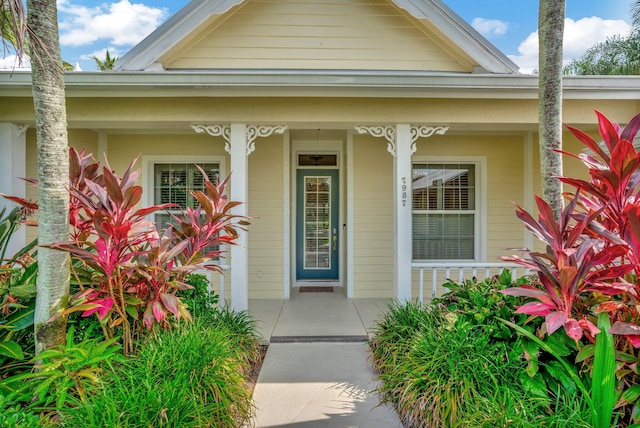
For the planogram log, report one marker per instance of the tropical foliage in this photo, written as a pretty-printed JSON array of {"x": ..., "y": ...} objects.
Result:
[
  {"x": 127, "y": 272},
  {"x": 105, "y": 64},
  {"x": 198, "y": 375},
  {"x": 60, "y": 374},
  {"x": 453, "y": 363},
  {"x": 13, "y": 27},
  {"x": 617, "y": 55},
  {"x": 575, "y": 351},
  {"x": 17, "y": 291},
  {"x": 134, "y": 285},
  {"x": 191, "y": 375},
  {"x": 591, "y": 265}
]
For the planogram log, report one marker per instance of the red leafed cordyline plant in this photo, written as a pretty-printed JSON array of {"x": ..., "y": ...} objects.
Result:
[
  {"x": 592, "y": 250},
  {"x": 128, "y": 272},
  {"x": 592, "y": 258}
]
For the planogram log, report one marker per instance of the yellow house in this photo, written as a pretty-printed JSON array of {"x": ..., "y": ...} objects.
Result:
[{"x": 376, "y": 143}]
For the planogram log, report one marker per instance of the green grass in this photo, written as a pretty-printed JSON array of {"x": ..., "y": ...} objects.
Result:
[
  {"x": 438, "y": 370},
  {"x": 192, "y": 376}
]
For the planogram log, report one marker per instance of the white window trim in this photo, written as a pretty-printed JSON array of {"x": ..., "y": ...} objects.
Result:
[
  {"x": 480, "y": 221},
  {"x": 148, "y": 161}
]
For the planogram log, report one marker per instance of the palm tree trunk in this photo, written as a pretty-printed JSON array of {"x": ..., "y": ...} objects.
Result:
[
  {"x": 53, "y": 173},
  {"x": 550, "y": 32}
]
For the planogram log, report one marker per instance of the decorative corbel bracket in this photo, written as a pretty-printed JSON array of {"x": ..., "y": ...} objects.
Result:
[
  {"x": 223, "y": 131},
  {"x": 22, "y": 129},
  {"x": 389, "y": 133},
  {"x": 256, "y": 131},
  {"x": 253, "y": 132},
  {"x": 422, "y": 131}
]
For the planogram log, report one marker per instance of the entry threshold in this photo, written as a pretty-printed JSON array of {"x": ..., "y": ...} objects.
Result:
[{"x": 319, "y": 339}]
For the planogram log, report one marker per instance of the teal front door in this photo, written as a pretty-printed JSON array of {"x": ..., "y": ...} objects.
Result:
[{"x": 317, "y": 224}]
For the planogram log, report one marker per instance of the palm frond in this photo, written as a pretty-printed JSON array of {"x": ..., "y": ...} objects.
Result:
[{"x": 14, "y": 28}]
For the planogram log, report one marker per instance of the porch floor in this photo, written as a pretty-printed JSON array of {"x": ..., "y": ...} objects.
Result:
[
  {"x": 316, "y": 315},
  {"x": 317, "y": 371}
]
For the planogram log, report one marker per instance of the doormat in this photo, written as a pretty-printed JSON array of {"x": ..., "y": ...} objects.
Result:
[{"x": 316, "y": 289}]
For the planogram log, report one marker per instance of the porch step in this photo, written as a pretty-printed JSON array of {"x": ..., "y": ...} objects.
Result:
[{"x": 320, "y": 339}]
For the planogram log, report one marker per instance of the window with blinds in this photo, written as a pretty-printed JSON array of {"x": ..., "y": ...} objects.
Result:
[
  {"x": 444, "y": 210},
  {"x": 173, "y": 182}
]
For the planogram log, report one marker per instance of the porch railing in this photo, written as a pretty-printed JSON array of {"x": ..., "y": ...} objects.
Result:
[{"x": 459, "y": 270}]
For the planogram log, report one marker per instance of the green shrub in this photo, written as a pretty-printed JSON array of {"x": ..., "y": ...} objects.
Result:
[
  {"x": 199, "y": 299},
  {"x": 242, "y": 330},
  {"x": 190, "y": 376},
  {"x": 18, "y": 273},
  {"x": 61, "y": 374},
  {"x": 453, "y": 363},
  {"x": 13, "y": 415},
  {"x": 481, "y": 303}
]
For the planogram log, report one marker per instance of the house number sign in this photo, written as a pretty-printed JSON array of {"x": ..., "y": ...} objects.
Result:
[{"x": 403, "y": 191}]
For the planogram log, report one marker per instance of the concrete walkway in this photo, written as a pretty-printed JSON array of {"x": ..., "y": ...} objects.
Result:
[{"x": 317, "y": 370}]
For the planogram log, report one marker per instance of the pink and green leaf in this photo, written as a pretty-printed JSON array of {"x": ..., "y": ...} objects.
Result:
[
  {"x": 555, "y": 320},
  {"x": 535, "y": 308},
  {"x": 171, "y": 302}
]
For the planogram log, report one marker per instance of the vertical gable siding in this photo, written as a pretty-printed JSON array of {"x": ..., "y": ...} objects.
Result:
[{"x": 299, "y": 34}]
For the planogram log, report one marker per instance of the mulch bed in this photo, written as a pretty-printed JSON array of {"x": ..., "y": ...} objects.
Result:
[{"x": 255, "y": 369}]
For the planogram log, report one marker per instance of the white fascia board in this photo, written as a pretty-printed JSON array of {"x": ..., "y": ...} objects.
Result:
[
  {"x": 461, "y": 33},
  {"x": 295, "y": 83},
  {"x": 145, "y": 54}
]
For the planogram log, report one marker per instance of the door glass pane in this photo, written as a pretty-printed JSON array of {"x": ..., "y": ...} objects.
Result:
[{"x": 317, "y": 223}]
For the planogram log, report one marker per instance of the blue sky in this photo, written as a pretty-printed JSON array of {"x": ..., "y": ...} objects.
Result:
[{"x": 90, "y": 27}]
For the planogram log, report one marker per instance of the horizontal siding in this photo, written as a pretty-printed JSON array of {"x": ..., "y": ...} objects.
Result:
[
  {"x": 373, "y": 235},
  {"x": 265, "y": 206},
  {"x": 78, "y": 139},
  {"x": 349, "y": 34},
  {"x": 505, "y": 182}
]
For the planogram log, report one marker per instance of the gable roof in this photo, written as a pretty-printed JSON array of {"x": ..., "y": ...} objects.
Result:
[{"x": 199, "y": 19}]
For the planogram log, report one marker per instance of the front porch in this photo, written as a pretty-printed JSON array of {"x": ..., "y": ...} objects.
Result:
[
  {"x": 331, "y": 316},
  {"x": 317, "y": 316}
]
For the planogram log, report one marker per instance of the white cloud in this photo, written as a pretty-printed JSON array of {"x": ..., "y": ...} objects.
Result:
[
  {"x": 121, "y": 23},
  {"x": 10, "y": 62},
  {"x": 488, "y": 27},
  {"x": 579, "y": 36}
]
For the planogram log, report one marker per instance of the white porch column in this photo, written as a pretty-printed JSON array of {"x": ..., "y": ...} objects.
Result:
[
  {"x": 240, "y": 144},
  {"x": 239, "y": 192},
  {"x": 12, "y": 168},
  {"x": 402, "y": 241},
  {"x": 402, "y": 144}
]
